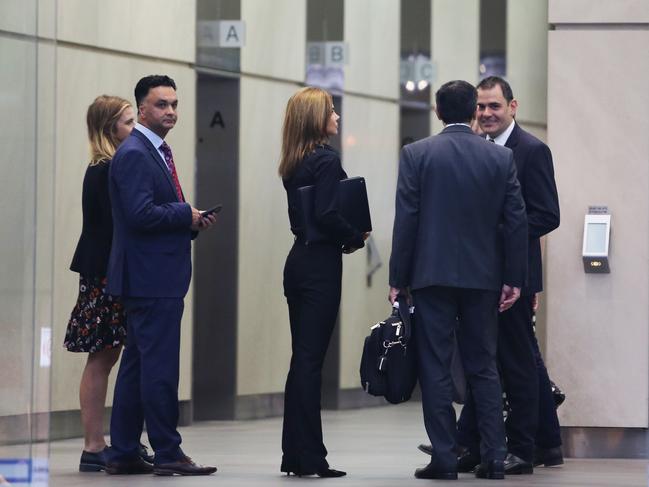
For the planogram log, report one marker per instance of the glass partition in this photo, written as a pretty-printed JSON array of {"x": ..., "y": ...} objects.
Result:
[{"x": 27, "y": 102}]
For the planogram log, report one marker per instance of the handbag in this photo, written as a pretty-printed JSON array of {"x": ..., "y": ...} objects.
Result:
[{"x": 388, "y": 363}]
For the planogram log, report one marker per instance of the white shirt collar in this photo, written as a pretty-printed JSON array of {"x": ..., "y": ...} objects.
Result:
[
  {"x": 154, "y": 138},
  {"x": 502, "y": 138},
  {"x": 451, "y": 124}
]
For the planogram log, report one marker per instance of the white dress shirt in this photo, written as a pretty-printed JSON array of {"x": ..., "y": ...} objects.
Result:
[{"x": 502, "y": 138}]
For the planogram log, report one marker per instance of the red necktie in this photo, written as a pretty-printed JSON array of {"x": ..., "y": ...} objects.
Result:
[{"x": 169, "y": 159}]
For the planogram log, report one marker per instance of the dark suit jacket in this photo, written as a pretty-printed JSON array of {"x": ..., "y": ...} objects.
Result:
[
  {"x": 151, "y": 251},
  {"x": 536, "y": 174},
  {"x": 455, "y": 190},
  {"x": 91, "y": 255}
]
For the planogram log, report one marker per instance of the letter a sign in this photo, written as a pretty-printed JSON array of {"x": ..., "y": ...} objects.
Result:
[
  {"x": 232, "y": 33},
  {"x": 221, "y": 33}
]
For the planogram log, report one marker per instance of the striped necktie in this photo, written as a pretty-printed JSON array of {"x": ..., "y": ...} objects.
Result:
[{"x": 169, "y": 159}]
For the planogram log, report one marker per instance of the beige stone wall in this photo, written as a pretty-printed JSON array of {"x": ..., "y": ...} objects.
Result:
[
  {"x": 455, "y": 44},
  {"x": 371, "y": 150},
  {"x": 597, "y": 129},
  {"x": 263, "y": 338}
]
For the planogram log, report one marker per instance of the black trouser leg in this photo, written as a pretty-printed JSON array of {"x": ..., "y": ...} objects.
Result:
[
  {"x": 520, "y": 377},
  {"x": 548, "y": 433},
  {"x": 312, "y": 280},
  {"x": 477, "y": 340},
  {"x": 468, "y": 435},
  {"x": 436, "y": 309}
]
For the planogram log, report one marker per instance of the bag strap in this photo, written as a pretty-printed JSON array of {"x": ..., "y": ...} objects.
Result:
[{"x": 404, "y": 312}]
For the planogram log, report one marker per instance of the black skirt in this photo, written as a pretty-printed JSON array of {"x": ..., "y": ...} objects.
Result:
[{"x": 98, "y": 321}]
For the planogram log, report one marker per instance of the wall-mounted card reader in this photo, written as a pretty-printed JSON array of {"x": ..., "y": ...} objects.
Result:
[{"x": 597, "y": 233}]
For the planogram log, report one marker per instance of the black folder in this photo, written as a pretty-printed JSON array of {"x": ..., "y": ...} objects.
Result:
[{"x": 352, "y": 205}]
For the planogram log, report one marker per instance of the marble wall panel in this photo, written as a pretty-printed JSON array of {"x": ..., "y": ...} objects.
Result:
[
  {"x": 527, "y": 57},
  {"x": 597, "y": 331},
  {"x": 370, "y": 137},
  {"x": 159, "y": 28},
  {"x": 263, "y": 341},
  {"x": 455, "y": 44},
  {"x": 598, "y": 11},
  {"x": 275, "y": 38},
  {"x": 19, "y": 16},
  {"x": 373, "y": 39}
]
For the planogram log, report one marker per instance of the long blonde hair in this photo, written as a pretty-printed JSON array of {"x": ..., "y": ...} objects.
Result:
[
  {"x": 305, "y": 126},
  {"x": 102, "y": 117}
]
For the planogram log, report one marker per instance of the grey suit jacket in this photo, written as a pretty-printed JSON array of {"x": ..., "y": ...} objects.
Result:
[{"x": 460, "y": 218}]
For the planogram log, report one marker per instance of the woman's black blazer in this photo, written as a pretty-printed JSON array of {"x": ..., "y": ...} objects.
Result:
[{"x": 91, "y": 256}]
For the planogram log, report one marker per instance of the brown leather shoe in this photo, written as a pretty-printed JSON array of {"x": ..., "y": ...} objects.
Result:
[
  {"x": 132, "y": 467},
  {"x": 184, "y": 466}
]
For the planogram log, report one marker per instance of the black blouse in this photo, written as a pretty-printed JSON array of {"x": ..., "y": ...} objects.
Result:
[
  {"x": 91, "y": 257},
  {"x": 322, "y": 168}
]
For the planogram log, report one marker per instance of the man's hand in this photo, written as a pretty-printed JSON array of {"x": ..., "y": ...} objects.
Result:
[
  {"x": 392, "y": 295},
  {"x": 508, "y": 297},
  {"x": 475, "y": 126},
  {"x": 200, "y": 222},
  {"x": 535, "y": 302},
  {"x": 196, "y": 219}
]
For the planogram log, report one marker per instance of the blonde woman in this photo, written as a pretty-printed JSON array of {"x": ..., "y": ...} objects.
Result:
[
  {"x": 312, "y": 274},
  {"x": 97, "y": 323}
]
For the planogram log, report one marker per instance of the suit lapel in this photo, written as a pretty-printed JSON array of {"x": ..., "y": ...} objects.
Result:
[
  {"x": 156, "y": 157},
  {"x": 512, "y": 140}
]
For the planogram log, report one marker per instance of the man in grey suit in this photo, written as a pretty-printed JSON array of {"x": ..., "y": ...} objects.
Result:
[{"x": 459, "y": 246}]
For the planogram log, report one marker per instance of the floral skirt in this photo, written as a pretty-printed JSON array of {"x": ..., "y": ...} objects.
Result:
[{"x": 98, "y": 321}]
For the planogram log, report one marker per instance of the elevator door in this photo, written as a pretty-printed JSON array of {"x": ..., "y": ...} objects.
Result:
[{"x": 215, "y": 251}]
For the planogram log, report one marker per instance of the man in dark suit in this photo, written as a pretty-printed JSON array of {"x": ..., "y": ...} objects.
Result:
[
  {"x": 460, "y": 246},
  {"x": 150, "y": 267},
  {"x": 532, "y": 417}
]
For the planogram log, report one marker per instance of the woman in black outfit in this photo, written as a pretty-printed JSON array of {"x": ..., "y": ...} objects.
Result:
[
  {"x": 97, "y": 323},
  {"x": 312, "y": 274}
]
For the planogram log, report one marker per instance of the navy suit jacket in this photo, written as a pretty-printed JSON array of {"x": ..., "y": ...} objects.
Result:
[
  {"x": 460, "y": 218},
  {"x": 536, "y": 174},
  {"x": 151, "y": 250}
]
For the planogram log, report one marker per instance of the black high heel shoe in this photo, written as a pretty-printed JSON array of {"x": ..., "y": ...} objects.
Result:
[
  {"x": 326, "y": 473},
  {"x": 330, "y": 473}
]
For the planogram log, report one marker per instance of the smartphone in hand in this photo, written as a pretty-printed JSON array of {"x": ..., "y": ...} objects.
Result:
[{"x": 212, "y": 211}]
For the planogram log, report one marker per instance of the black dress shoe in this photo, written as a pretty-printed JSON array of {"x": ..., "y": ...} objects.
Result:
[
  {"x": 92, "y": 461},
  {"x": 433, "y": 471},
  {"x": 494, "y": 469},
  {"x": 144, "y": 454},
  {"x": 427, "y": 449},
  {"x": 132, "y": 467},
  {"x": 467, "y": 461},
  {"x": 549, "y": 457},
  {"x": 516, "y": 466},
  {"x": 184, "y": 466}
]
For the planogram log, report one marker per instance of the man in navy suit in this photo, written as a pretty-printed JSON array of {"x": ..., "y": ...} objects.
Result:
[
  {"x": 150, "y": 268},
  {"x": 532, "y": 426},
  {"x": 460, "y": 246}
]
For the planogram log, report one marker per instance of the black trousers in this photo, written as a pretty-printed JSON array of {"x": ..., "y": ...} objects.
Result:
[
  {"x": 436, "y": 311},
  {"x": 312, "y": 282},
  {"x": 519, "y": 359},
  {"x": 548, "y": 433}
]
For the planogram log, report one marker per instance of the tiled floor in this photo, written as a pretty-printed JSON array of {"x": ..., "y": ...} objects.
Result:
[{"x": 376, "y": 446}]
